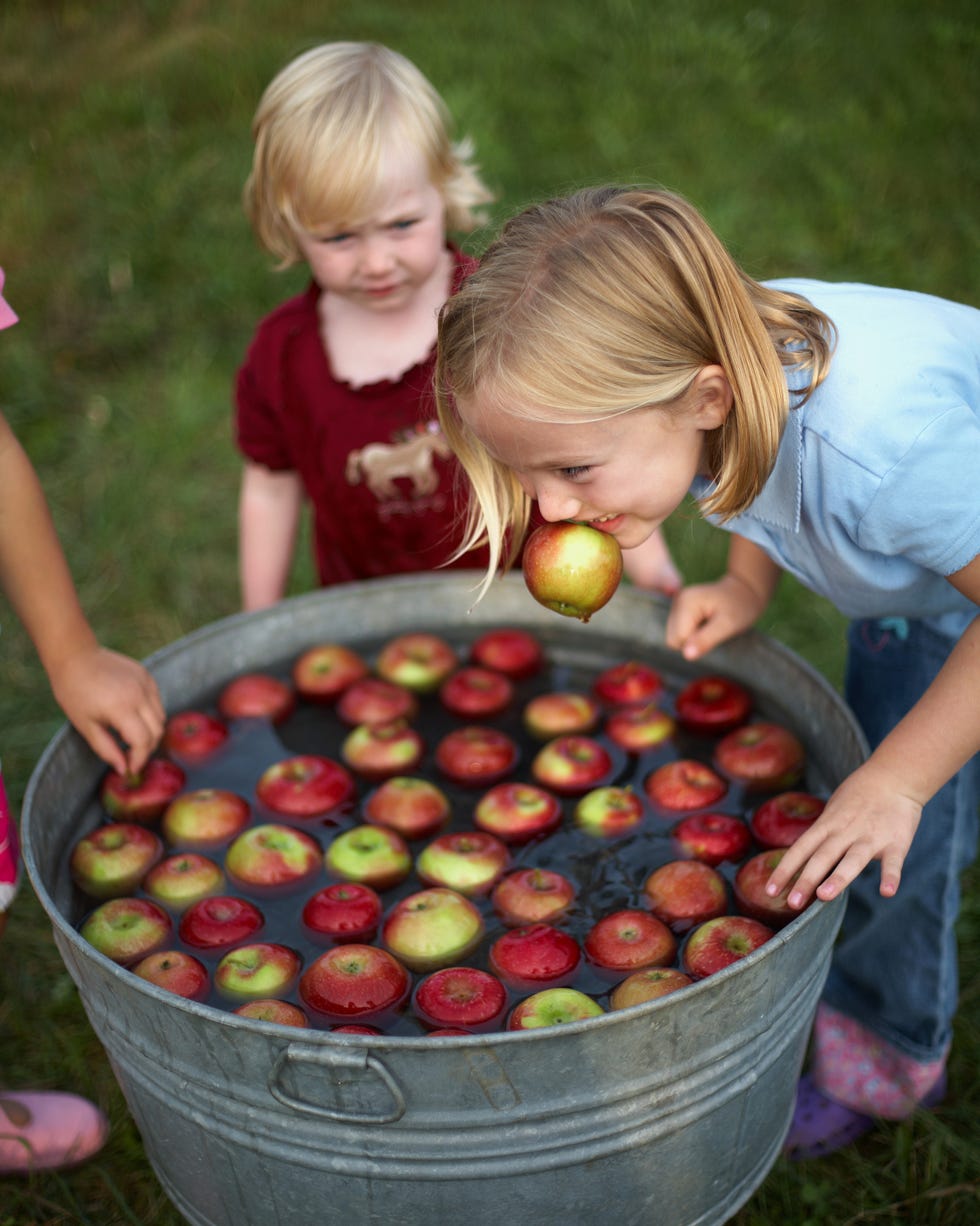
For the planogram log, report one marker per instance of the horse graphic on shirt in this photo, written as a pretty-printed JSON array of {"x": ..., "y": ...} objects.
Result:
[{"x": 379, "y": 465}]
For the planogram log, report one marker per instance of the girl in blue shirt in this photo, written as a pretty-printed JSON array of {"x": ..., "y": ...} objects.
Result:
[{"x": 608, "y": 357}]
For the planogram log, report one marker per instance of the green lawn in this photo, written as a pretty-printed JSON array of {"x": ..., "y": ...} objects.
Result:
[{"x": 838, "y": 140}]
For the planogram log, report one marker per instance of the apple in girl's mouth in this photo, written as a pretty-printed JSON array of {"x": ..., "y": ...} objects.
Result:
[{"x": 572, "y": 568}]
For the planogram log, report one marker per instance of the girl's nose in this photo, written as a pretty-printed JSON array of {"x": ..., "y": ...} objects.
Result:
[
  {"x": 556, "y": 505},
  {"x": 376, "y": 255}
]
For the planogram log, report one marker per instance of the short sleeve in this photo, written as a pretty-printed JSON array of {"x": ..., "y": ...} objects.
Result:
[{"x": 259, "y": 432}]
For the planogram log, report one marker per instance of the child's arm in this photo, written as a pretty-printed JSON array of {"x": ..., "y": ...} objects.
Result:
[
  {"x": 98, "y": 690},
  {"x": 268, "y": 516},
  {"x": 650, "y": 566}
]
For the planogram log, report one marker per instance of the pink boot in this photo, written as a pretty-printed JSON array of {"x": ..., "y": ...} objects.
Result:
[{"x": 41, "y": 1130}]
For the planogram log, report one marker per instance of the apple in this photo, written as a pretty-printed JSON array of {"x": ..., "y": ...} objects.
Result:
[
  {"x": 553, "y": 1007},
  {"x": 432, "y": 928},
  {"x": 205, "y": 818},
  {"x": 509, "y": 650},
  {"x": 559, "y": 712},
  {"x": 177, "y": 972},
  {"x": 628, "y": 940},
  {"x": 257, "y": 696},
  {"x": 353, "y": 1029},
  {"x": 374, "y": 701},
  {"x": 418, "y": 661},
  {"x": 476, "y": 693},
  {"x": 183, "y": 878},
  {"x": 571, "y": 765},
  {"x": 712, "y": 837},
  {"x": 683, "y": 893},
  {"x": 219, "y": 921},
  {"x": 343, "y": 912},
  {"x": 194, "y": 735},
  {"x": 530, "y": 957},
  {"x": 749, "y": 889},
  {"x": 639, "y": 728},
  {"x": 447, "y": 1031},
  {"x": 378, "y": 751},
  {"x": 272, "y": 857},
  {"x": 324, "y": 671},
  {"x": 719, "y": 942},
  {"x": 463, "y": 997},
  {"x": 415, "y": 807},
  {"x": 712, "y": 705},
  {"x": 142, "y": 797},
  {"x": 608, "y": 812},
  {"x": 113, "y": 860},
  {"x": 475, "y": 756},
  {"x": 517, "y": 812},
  {"x": 350, "y": 982},
  {"x": 763, "y": 756},
  {"x": 780, "y": 820},
  {"x": 469, "y": 861},
  {"x": 684, "y": 784},
  {"x": 304, "y": 786},
  {"x": 372, "y": 855},
  {"x": 279, "y": 1011},
  {"x": 648, "y": 984},
  {"x": 257, "y": 971},
  {"x": 572, "y": 569},
  {"x": 127, "y": 929},
  {"x": 627, "y": 683},
  {"x": 531, "y": 896}
]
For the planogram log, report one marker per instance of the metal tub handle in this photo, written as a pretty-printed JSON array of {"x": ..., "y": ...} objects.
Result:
[{"x": 356, "y": 1072}]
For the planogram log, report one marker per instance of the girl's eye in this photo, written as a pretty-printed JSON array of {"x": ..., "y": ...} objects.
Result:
[
  {"x": 405, "y": 224},
  {"x": 334, "y": 239},
  {"x": 577, "y": 470}
]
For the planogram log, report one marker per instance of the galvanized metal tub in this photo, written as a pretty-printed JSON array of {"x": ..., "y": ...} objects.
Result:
[{"x": 667, "y": 1114}]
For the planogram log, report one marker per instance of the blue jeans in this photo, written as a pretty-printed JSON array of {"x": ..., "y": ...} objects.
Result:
[{"x": 894, "y": 968}]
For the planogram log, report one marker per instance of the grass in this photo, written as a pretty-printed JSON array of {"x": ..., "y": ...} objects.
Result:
[{"x": 834, "y": 140}]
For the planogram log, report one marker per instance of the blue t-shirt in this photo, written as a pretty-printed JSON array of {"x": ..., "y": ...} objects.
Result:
[{"x": 875, "y": 494}]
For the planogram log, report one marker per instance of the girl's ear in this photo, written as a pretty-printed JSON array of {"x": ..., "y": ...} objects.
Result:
[{"x": 711, "y": 397}]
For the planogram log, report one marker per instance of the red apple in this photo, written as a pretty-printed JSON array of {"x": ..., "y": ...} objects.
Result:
[
  {"x": 194, "y": 735},
  {"x": 127, "y": 929},
  {"x": 463, "y": 997},
  {"x": 432, "y": 928},
  {"x": 475, "y": 756},
  {"x": 609, "y": 812},
  {"x": 343, "y": 912},
  {"x": 177, "y": 972},
  {"x": 304, "y": 786},
  {"x": 712, "y": 837},
  {"x": 553, "y": 1007},
  {"x": 379, "y": 751},
  {"x": 415, "y": 807},
  {"x": 763, "y": 756},
  {"x": 571, "y": 568},
  {"x": 627, "y": 683},
  {"x": 780, "y": 820},
  {"x": 143, "y": 797},
  {"x": 517, "y": 812},
  {"x": 509, "y": 650},
  {"x": 279, "y": 1011},
  {"x": 257, "y": 696},
  {"x": 476, "y": 693},
  {"x": 639, "y": 728},
  {"x": 219, "y": 921},
  {"x": 183, "y": 878},
  {"x": 418, "y": 661},
  {"x": 349, "y": 982},
  {"x": 468, "y": 861},
  {"x": 353, "y": 1029},
  {"x": 683, "y": 893},
  {"x": 628, "y": 940},
  {"x": 749, "y": 888},
  {"x": 719, "y": 942},
  {"x": 204, "y": 818},
  {"x": 257, "y": 971},
  {"x": 531, "y": 957},
  {"x": 684, "y": 784},
  {"x": 372, "y": 855},
  {"x": 272, "y": 857},
  {"x": 113, "y": 860},
  {"x": 648, "y": 984},
  {"x": 442, "y": 1032},
  {"x": 532, "y": 896},
  {"x": 560, "y": 712},
  {"x": 324, "y": 671},
  {"x": 571, "y": 765},
  {"x": 373, "y": 701},
  {"x": 712, "y": 705}
]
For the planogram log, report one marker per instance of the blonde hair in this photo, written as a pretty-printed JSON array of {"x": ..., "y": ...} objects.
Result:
[
  {"x": 321, "y": 131},
  {"x": 609, "y": 300}
]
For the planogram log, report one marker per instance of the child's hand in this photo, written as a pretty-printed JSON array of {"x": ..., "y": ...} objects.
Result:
[
  {"x": 101, "y": 693},
  {"x": 651, "y": 567},
  {"x": 868, "y": 818},
  {"x": 707, "y": 614}
]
